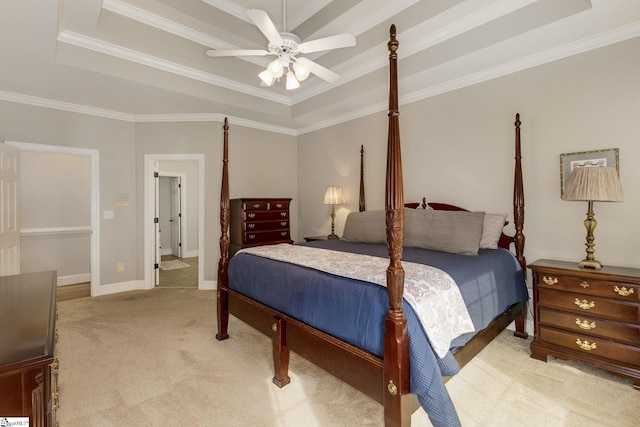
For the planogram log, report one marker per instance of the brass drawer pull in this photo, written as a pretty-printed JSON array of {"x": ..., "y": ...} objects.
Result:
[
  {"x": 283, "y": 214},
  {"x": 256, "y": 205},
  {"x": 586, "y": 345},
  {"x": 585, "y": 324},
  {"x": 550, "y": 280},
  {"x": 252, "y": 236},
  {"x": 278, "y": 205},
  {"x": 283, "y": 223},
  {"x": 283, "y": 233},
  {"x": 251, "y": 225},
  {"x": 584, "y": 284},
  {"x": 251, "y": 215},
  {"x": 584, "y": 304},
  {"x": 623, "y": 291}
]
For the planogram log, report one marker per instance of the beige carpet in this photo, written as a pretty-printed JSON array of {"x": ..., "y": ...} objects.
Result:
[{"x": 150, "y": 358}]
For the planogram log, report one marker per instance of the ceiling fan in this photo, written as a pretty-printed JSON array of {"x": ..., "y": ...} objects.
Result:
[{"x": 287, "y": 46}]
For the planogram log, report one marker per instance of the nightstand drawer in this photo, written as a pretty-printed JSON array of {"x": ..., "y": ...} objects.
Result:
[
  {"x": 618, "y": 352},
  {"x": 590, "y": 305},
  {"x": 584, "y": 324},
  {"x": 611, "y": 289}
]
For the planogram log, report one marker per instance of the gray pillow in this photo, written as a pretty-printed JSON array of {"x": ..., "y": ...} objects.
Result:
[
  {"x": 492, "y": 230},
  {"x": 457, "y": 232},
  {"x": 365, "y": 227}
]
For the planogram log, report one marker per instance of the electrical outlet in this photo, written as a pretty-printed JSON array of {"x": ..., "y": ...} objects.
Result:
[{"x": 120, "y": 266}]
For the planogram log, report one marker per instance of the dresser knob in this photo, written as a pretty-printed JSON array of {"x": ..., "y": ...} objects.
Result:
[
  {"x": 252, "y": 236},
  {"x": 283, "y": 214},
  {"x": 283, "y": 223},
  {"x": 584, "y": 304},
  {"x": 251, "y": 215},
  {"x": 584, "y": 284},
  {"x": 283, "y": 233},
  {"x": 256, "y": 205},
  {"x": 550, "y": 280},
  {"x": 623, "y": 291},
  {"x": 586, "y": 345},
  {"x": 278, "y": 205},
  {"x": 251, "y": 225},
  {"x": 585, "y": 324}
]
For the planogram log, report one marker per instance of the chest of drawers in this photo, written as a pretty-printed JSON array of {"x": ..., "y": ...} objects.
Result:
[
  {"x": 28, "y": 366},
  {"x": 255, "y": 222},
  {"x": 589, "y": 315}
]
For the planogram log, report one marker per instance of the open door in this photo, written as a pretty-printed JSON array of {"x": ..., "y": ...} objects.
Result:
[
  {"x": 176, "y": 217},
  {"x": 156, "y": 224},
  {"x": 9, "y": 210}
]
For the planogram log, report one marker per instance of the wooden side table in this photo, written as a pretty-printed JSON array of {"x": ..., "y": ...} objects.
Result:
[{"x": 588, "y": 315}]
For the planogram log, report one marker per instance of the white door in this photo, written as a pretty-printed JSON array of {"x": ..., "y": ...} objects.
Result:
[
  {"x": 176, "y": 217},
  {"x": 9, "y": 210}
]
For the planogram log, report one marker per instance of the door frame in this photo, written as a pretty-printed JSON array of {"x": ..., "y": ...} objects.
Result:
[
  {"x": 150, "y": 162},
  {"x": 94, "y": 156}
]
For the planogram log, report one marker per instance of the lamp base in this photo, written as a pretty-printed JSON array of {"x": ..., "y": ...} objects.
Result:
[
  {"x": 332, "y": 236},
  {"x": 590, "y": 263}
]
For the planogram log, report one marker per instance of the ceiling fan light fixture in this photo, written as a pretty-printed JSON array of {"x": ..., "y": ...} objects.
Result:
[
  {"x": 276, "y": 68},
  {"x": 301, "y": 71},
  {"x": 267, "y": 77},
  {"x": 292, "y": 82}
]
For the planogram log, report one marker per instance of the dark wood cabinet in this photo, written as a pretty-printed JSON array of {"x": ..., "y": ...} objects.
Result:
[
  {"x": 256, "y": 222},
  {"x": 589, "y": 315},
  {"x": 28, "y": 366}
]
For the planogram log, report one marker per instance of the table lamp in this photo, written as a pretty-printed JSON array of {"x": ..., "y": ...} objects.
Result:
[
  {"x": 333, "y": 196},
  {"x": 593, "y": 184}
]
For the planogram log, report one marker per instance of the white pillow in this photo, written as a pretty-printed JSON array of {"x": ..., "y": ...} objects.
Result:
[{"x": 492, "y": 230}]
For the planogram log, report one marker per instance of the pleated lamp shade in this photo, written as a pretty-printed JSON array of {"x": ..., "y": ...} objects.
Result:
[
  {"x": 597, "y": 184},
  {"x": 334, "y": 196}
]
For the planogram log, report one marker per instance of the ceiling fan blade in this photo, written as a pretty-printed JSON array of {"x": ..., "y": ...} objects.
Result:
[
  {"x": 327, "y": 43},
  {"x": 264, "y": 23},
  {"x": 213, "y": 53},
  {"x": 318, "y": 70}
]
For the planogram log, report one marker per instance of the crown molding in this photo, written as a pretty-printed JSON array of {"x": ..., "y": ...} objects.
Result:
[
  {"x": 64, "y": 106},
  {"x": 569, "y": 49},
  {"x": 86, "y": 42}
]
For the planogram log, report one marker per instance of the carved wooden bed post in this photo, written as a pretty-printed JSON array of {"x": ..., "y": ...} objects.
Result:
[
  {"x": 396, "y": 340},
  {"x": 518, "y": 219},
  {"x": 223, "y": 278}
]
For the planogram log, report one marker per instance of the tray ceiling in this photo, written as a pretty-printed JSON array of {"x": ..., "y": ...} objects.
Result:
[{"x": 143, "y": 60}]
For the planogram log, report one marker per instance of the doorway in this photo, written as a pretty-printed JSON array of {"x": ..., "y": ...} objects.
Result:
[
  {"x": 178, "y": 239},
  {"x": 92, "y": 230}
]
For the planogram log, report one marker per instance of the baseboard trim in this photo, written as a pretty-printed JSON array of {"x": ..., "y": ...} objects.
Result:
[
  {"x": 74, "y": 279},
  {"x": 209, "y": 285},
  {"x": 114, "y": 288}
]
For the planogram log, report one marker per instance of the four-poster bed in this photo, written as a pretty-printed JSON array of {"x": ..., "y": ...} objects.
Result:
[{"x": 305, "y": 310}]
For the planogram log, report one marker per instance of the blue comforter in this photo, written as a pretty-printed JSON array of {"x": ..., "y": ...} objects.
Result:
[{"x": 354, "y": 311}]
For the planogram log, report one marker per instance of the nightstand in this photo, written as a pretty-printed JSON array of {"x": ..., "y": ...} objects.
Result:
[
  {"x": 314, "y": 238},
  {"x": 588, "y": 315}
]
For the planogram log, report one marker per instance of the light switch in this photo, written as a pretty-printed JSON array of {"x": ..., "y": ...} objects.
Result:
[{"x": 107, "y": 215}]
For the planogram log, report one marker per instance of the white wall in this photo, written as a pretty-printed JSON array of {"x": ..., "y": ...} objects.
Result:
[{"x": 458, "y": 148}]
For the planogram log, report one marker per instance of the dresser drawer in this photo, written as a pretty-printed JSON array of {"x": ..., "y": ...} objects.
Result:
[
  {"x": 624, "y": 332},
  {"x": 266, "y": 225},
  {"x": 258, "y": 237},
  {"x": 618, "y": 352},
  {"x": 587, "y": 304},
  {"x": 265, "y": 215},
  {"x": 611, "y": 289},
  {"x": 255, "y": 205}
]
